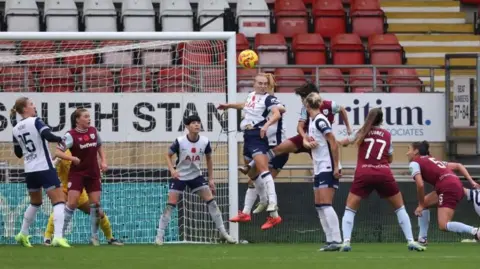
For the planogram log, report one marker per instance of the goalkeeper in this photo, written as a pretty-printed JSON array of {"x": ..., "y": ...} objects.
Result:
[{"x": 63, "y": 166}]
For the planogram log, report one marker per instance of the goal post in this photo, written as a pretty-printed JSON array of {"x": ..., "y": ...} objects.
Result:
[{"x": 196, "y": 71}]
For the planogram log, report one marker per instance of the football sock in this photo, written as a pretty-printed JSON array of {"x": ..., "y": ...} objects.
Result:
[
  {"x": 323, "y": 222},
  {"x": 106, "y": 227},
  {"x": 250, "y": 198},
  {"x": 58, "y": 219},
  {"x": 29, "y": 217},
  {"x": 405, "y": 223},
  {"x": 332, "y": 223},
  {"x": 94, "y": 219},
  {"x": 164, "y": 220},
  {"x": 216, "y": 216},
  {"x": 261, "y": 189},
  {"x": 347, "y": 223},
  {"x": 68, "y": 217},
  {"x": 423, "y": 223},
  {"x": 271, "y": 193},
  {"x": 458, "y": 227},
  {"x": 49, "y": 230}
]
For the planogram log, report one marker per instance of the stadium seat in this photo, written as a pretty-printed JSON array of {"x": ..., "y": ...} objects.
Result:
[
  {"x": 331, "y": 80},
  {"x": 8, "y": 51},
  {"x": 22, "y": 16},
  {"x": 56, "y": 80},
  {"x": 367, "y": 18},
  {"x": 253, "y": 17},
  {"x": 135, "y": 79},
  {"x": 99, "y": 16},
  {"x": 138, "y": 16},
  {"x": 174, "y": 79},
  {"x": 242, "y": 43},
  {"x": 329, "y": 18},
  {"x": 154, "y": 53},
  {"x": 211, "y": 80},
  {"x": 207, "y": 9},
  {"x": 385, "y": 50},
  {"x": 245, "y": 79},
  {"x": 61, "y": 16},
  {"x": 291, "y": 17},
  {"x": 81, "y": 58},
  {"x": 176, "y": 16},
  {"x": 361, "y": 80},
  {"x": 288, "y": 79},
  {"x": 347, "y": 49},
  {"x": 404, "y": 80},
  {"x": 38, "y": 48},
  {"x": 114, "y": 56},
  {"x": 16, "y": 79},
  {"x": 195, "y": 53},
  {"x": 97, "y": 80},
  {"x": 271, "y": 49},
  {"x": 309, "y": 49}
]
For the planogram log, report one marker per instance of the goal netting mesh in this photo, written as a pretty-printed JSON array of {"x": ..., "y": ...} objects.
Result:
[{"x": 137, "y": 92}]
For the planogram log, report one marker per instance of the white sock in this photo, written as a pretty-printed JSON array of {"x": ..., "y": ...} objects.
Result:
[
  {"x": 68, "y": 217},
  {"x": 423, "y": 223},
  {"x": 333, "y": 223},
  {"x": 94, "y": 219},
  {"x": 323, "y": 222},
  {"x": 405, "y": 224},
  {"x": 58, "y": 219},
  {"x": 164, "y": 220},
  {"x": 347, "y": 223},
  {"x": 29, "y": 217},
  {"x": 216, "y": 216},
  {"x": 250, "y": 198},
  {"x": 261, "y": 189},
  {"x": 271, "y": 193},
  {"x": 458, "y": 227}
]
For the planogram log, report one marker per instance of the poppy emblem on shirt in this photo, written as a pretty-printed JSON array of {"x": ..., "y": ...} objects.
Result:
[
  {"x": 92, "y": 136},
  {"x": 86, "y": 138},
  {"x": 325, "y": 112},
  {"x": 194, "y": 150}
]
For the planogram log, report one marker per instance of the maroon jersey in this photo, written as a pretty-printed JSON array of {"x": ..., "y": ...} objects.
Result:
[
  {"x": 431, "y": 169},
  {"x": 84, "y": 144},
  {"x": 374, "y": 152},
  {"x": 327, "y": 109}
]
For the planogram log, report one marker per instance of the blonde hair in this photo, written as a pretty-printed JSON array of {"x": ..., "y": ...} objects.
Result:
[
  {"x": 271, "y": 82},
  {"x": 19, "y": 106},
  {"x": 313, "y": 100}
]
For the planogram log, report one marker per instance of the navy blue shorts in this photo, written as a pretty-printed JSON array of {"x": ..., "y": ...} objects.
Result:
[
  {"x": 253, "y": 144},
  {"x": 278, "y": 162},
  {"x": 46, "y": 179},
  {"x": 325, "y": 180},
  {"x": 195, "y": 184}
]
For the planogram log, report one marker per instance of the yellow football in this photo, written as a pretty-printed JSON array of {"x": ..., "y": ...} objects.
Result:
[{"x": 248, "y": 58}]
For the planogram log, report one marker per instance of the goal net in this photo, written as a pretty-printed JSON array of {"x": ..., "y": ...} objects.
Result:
[{"x": 138, "y": 88}]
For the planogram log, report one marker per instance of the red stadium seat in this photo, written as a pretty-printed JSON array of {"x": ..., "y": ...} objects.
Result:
[
  {"x": 114, "y": 56},
  {"x": 271, "y": 49},
  {"x": 309, "y": 49},
  {"x": 173, "y": 80},
  {"x": 361, "y": 80},
  {"x": 245, "y": 79},
  {"x": 131, "y": 80},
  {"x": 211, "y": 80},
  {"x": 288, "y": 79},
  {"x": 385, "y": 50},
  {"x": 81, "y": 58},
  {"x": 331, "y": 80},
  {"x": 98, "y": 80},
  {"x": 406, "y": 79},
  {"x": 242, "y": 43},
  {"x": 347, "y": 49},
  {"x": 41, "y": 49},
  {"x": 329, "y": 18},
  {"x": 367, "y": 18},
  {"x": 291, "y": 17},
  {"x": 12, "y": 79},
  {"x": 57, "y": 80}
]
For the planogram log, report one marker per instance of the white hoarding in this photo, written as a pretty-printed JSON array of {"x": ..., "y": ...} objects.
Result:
[{"x": 158, "y": 116}]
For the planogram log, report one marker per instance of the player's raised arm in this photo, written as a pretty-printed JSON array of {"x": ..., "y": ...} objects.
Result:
[
  {"x": 172, "y": 150},
  {"x": 237, "y": 106},
  {"x": 344, "y": 116},
  {"x": 350, "y": 139},
  {"x": 46, "y": 132},
  {"x": 417, "y": 176},
  {"x": 463, "y": 170}
]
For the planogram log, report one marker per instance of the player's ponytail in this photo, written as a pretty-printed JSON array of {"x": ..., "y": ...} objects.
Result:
[
  {"x": 374, "y": 118},
  {"x": 19, "y": 106},
  {"x": 313, "y": 100},
  {"x": 422, "y": 147}
]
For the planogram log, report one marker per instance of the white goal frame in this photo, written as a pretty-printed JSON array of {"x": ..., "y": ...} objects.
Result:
[{"x": 228, "y": 37}]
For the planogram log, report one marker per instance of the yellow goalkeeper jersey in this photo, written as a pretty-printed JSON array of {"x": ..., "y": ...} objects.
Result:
[{"x": 63, "y": 166}]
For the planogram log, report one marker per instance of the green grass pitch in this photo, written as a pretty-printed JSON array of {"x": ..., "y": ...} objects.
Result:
[{"x": 249, "y": 256}]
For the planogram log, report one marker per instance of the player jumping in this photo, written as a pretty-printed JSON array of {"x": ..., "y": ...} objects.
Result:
[
  {"x": 190, "y": 150},
  {"x": 85, "y": 145},
  {"x": 375, "y": 151},
  {"x": 448, "y": 190},
  {"x": 325, "y": 159},
  {"x": 261, "y": 110},
  {"x": 29, "y": 140},
  {"x": 63, "y": 167}
]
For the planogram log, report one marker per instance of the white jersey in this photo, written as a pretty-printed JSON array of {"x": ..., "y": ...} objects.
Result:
[
  {"x": 257, "y": 109},
  {"x": 190, "y": 156},
  {"x": 27, "y": 135},
  {"x": 322, "y": 157}
]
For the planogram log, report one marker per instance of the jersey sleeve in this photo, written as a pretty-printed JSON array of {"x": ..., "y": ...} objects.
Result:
[
  {"x": 414, "y": 168},
  {"x": 99, "y": 139},
  {"x": 68, "y": 140},
  {"x": 40, "y": 125},
  {"x": 174, "y": 148},
  {"x": 272, "y": 101},
  {"x": 15, "y": 142},
  {"x": 323, "y": 126},
  {"x": 335, "y": 108},
  {"x": 303, "y": 114},
  {"x": 352, "y": 137},
  {"x": 208, "y": 148}
]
